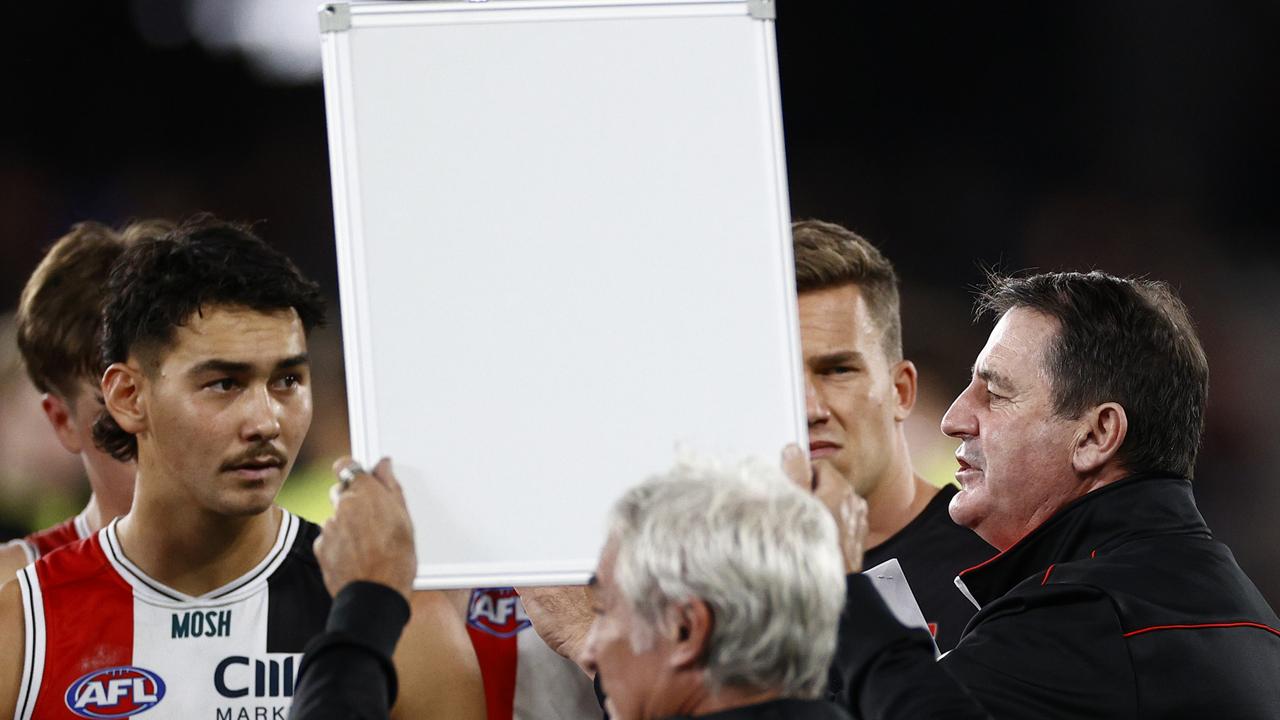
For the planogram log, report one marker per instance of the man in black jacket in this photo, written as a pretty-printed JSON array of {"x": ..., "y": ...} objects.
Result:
[{"x": 1110, "y": 598}]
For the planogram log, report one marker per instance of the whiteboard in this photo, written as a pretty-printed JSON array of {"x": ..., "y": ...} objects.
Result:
[{"x": 563, "y": 251}]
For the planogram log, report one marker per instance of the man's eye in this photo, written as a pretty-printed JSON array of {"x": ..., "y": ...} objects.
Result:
[
  {"x": 290, "y": 380},
  {"x": 995, "y": 396},
  {"x": 841, "y": 370},
  {"x": 222, "y": 385}
]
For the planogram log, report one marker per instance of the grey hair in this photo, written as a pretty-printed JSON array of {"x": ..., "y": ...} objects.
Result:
[{"x": 759, "y": 552}]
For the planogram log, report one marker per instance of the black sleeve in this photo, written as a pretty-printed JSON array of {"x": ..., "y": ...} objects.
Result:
[
  {"x": 887, "y": 671},
  {"x": 1059, "y": 653},
  {"x": 595, "y": 684},
  {"x": 346, "y": 671}
]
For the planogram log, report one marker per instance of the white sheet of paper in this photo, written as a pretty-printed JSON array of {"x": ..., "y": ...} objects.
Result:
[{"x": 889, "y": 580}]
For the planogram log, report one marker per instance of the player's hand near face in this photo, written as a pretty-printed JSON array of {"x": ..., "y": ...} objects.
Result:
[
  {"x": 370, "y": 538},
  {"x": 836, "y": 493}
]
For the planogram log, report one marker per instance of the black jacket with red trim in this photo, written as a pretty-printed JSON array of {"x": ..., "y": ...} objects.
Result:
[{"x": 1121, "y": 605}]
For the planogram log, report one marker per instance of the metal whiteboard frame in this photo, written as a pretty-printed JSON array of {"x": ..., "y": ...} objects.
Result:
[{"x": 337, "y": 20}]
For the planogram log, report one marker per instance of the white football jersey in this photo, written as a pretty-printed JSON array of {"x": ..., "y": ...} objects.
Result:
[{"x": 104, "y": 640}]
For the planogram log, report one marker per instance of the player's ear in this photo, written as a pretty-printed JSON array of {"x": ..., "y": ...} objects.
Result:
[
  {"x": 904, "y": 386},
  {"x": 1102, "y": 431},
  {"x": 122, "y": 385},
  {"x": 58, "y": 412},
  {"x": 690, "y": 624}
]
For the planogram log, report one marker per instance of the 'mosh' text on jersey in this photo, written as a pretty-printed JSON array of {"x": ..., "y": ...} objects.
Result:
[{"x": 198, "y": 623}]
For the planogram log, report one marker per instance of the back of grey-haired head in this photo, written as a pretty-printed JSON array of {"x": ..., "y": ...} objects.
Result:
[{"x": 762, "y": 554}]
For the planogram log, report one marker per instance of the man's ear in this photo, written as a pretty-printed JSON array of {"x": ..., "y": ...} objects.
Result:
[
  {"x": 1102, "y": 431},
  {"x": 904, "y": 386},
  {"x": 689, "y": 627},
  {"x": 122, "y": 394},
  {"x": 58, "y": 413}
]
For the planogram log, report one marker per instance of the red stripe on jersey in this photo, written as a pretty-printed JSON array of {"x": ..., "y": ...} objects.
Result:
[
  {"x": 50, "y": 539},
  {"x": 497, "y": 657},
  {"x": 88, "y": 622}
]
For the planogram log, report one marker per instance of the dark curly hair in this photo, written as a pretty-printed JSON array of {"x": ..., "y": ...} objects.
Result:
[{"x": 158, "y": 285}]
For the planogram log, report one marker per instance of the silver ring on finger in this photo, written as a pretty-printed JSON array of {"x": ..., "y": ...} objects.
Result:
[{"x": 348, "y": 473}]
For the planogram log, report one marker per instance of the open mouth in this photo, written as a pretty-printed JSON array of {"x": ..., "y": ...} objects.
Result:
[{"x": 967, "y": 473}]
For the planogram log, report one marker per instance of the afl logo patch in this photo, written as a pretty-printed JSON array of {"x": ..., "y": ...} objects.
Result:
[
  {"x": 116, "y": 692},
  {"x": 497, "y": 611}
]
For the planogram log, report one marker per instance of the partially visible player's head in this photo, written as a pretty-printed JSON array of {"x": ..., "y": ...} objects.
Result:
[
  {"x": 207, "y": 383},
  {"x": 858, "y": 388},
  {"x": 715, "y": 580},
  {"x": 59, "y": 328}
]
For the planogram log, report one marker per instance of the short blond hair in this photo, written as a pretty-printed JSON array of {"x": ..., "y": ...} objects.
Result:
[{"x": 828, "y": 255}]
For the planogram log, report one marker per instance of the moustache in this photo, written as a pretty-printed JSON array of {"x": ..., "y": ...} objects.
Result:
[{"x": 260, "y": 455}]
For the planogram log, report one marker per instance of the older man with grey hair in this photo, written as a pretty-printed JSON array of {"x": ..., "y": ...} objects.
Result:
[{"x": 717, "y": 595}]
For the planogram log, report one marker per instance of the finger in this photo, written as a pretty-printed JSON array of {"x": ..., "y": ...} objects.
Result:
[
  {"x": 796, "y": 467},
  {"x": 830, "y": 484},
  {"x": 348, "y": 472},
  {"x": 383, "y": 472},
  {"x": 860, "y": 508}
]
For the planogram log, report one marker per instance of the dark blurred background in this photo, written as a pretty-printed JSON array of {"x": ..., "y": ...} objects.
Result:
[{"x": 1133, "y": 137}]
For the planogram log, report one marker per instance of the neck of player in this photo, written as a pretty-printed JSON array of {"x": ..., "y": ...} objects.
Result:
[
  {"x": 897, "y": 499},
  {"x": 189, "y": 548}
]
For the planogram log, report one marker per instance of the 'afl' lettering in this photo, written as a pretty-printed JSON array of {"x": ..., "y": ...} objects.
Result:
[{"x": 116, "y": 692}]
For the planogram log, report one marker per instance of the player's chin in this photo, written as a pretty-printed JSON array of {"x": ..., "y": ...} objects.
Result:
[
  {"x": 840, "y": 463},
  {"x": 966, "y": 506},
  {"x": 249, "y": 501}
]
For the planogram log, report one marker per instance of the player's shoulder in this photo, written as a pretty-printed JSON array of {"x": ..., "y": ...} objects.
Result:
[
  {"x": 933, "y": 533},
  {"x": 14, "y": 555},
  {"x": 10, "y": 598},
  {"x": 81, "y": 561},
  {"x": 67, "y": 532},
  {"x": 300, "y": 567},
  {"x": 302, "y": 549}
]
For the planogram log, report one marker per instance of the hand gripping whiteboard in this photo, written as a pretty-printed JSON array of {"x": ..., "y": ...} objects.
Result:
[{"x": 564, "y": 250}]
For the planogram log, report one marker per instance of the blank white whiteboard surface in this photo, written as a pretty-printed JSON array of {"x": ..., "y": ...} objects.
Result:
[{"x": 564, "y": 250}]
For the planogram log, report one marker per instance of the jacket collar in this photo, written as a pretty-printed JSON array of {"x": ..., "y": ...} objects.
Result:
[{"x": 1138, "y": 506}]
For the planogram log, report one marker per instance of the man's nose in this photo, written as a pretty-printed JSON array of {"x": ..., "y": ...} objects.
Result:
[
  {"x": 262, "y": 417},
  {"x": 815, "y": 407},
  {"x": 960, "y": 421}
]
